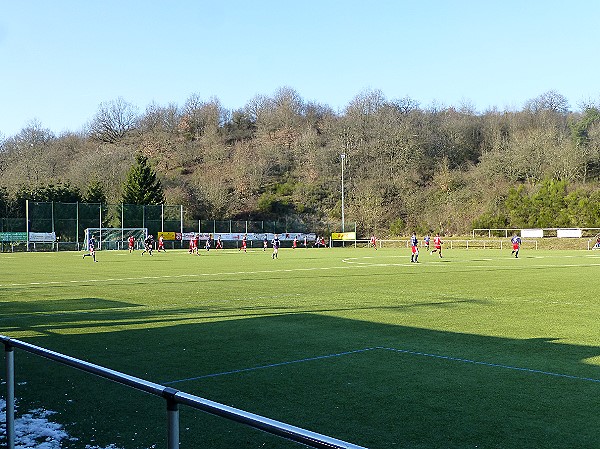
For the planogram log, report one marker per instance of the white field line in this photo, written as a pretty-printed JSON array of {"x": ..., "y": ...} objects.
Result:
[
  {"x": 396, "y": 350},
  {"x": 349, "y": 263},
  {"x": 173, "y": 276},
  {"x": 271, "y": 365}
]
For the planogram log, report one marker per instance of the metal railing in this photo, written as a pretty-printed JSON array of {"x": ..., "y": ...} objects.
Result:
[{"x": 172, "y": 396}]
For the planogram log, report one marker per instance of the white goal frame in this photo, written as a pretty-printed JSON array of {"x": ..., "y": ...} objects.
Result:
[{"x": 115, "y": 238}]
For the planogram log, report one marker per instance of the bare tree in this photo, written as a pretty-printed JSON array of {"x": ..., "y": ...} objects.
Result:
[
  {"x": 113, "y": 120},
  {"x": 158, "y": 118},
  {"x": 550, "y": 101}
]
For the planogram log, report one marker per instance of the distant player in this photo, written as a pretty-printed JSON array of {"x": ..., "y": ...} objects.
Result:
[
  {"x": 161, "y": 244},
  {"x": 244, "y": 243},
  {"x": 276, "y": 243},
  {"x": 265, "y": 243},
  {"x": 374, "y": 241},
  {"x": 219, "y": 244},
  {"x": 306, "y": 241},
  {"x": 148, "y": 244},
  {"x": 194, "y": 244},
  {"x": 414, "y": 248},
  {"x": 437, "y": 245},
  {"x": 295, "y": 243},
  {"x": 91, "y": 249},
  {"x": 516, "y": 243},
  {"x": 426, "y": 240},
  {"x": 131, "y": 242},
  {"x": 207, "y": 244}
]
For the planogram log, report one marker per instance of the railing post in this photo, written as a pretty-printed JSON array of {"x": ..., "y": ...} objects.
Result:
[
  {"x": 172, "y": 418},
  {"x": 10, "y": 396}
]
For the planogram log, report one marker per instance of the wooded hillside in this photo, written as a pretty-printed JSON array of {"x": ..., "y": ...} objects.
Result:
[{"x": 407, "y": 167}]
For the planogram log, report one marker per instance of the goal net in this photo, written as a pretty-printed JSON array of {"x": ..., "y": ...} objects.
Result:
[{"x": 116, "y": 238}]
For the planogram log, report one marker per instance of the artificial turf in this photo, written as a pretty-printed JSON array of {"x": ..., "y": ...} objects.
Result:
[{"x": 477, "y": 349}]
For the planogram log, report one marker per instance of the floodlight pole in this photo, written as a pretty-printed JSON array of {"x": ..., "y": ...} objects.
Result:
[{"x": 343, "y": 156}]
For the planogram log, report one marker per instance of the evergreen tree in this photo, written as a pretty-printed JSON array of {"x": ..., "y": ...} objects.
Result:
[
  {"x": 95, "y": 193},
  {"x": 142, "y": 186}
]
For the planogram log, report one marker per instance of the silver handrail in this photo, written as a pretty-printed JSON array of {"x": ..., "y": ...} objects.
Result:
[{"x": 171, "y": 395}]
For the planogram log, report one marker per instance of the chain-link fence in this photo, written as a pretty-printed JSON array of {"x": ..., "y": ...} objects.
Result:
[{"x": 68, "y": 221}]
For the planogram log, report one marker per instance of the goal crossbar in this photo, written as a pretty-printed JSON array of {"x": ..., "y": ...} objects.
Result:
[{"x": 115, "y": 238}]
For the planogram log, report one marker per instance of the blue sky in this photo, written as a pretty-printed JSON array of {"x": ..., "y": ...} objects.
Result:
[{"x": 60, "y": 59}]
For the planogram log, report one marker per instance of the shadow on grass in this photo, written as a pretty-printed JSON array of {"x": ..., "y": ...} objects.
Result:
[
  {"x": 60, "y": 305},
  {"x": 434, "y": 389},
  {"x": 47, "y": 317}
]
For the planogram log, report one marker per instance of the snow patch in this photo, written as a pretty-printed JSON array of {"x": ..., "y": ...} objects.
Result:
[{"x": 34, "y": 430}]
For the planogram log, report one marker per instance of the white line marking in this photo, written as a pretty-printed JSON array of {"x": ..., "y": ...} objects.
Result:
[
  {"x": 272, "y": 365},
  {"x": 383, "y": 348}
]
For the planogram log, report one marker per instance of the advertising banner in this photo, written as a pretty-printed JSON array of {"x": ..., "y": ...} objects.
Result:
[
  {"x": 343, "y": 236},
  {"x": 42, "y": 236},
  {"x": 532, "y": 233},
  {"x": 13, "y": 236},
  {"x": 250, "y": 236},
  {"x": 569, "y": 233}
]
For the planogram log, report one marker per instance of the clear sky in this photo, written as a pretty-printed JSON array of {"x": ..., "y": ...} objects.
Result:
[{"x": 60, "y": 59}]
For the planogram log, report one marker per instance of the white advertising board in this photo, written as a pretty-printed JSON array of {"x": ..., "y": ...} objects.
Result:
[
  {"x": 569, "y": 233},
  {"x": 42, "y": 236},
  {"x": 532, "y": 233}
]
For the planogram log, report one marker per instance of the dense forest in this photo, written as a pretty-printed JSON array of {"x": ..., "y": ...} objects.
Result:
[{"x": 406, "y": 167}]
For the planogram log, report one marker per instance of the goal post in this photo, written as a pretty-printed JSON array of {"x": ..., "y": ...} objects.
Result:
[{"x": 115, "y": 238}]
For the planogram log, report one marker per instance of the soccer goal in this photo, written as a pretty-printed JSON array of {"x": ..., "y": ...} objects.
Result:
[{"x": 116, "y": 238}]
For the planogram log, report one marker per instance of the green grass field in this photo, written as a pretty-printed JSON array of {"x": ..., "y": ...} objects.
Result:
[{"x": 475, "y": 350}]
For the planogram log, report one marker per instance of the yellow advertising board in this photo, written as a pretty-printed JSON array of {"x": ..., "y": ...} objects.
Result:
[
  {"x": 167, "y": 235},
  {"x": 343, "y": 236}
]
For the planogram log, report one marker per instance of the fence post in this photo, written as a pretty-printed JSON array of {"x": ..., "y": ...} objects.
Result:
[
  {"x": 27, "y": 222},
  {"x": 172, "y": 418},
  {"x": 181, "y": 224},
  {"x": 10, "y": 396}
]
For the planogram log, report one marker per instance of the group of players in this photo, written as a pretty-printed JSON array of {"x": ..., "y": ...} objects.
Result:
[
  {"x": 437, "y": 245},
  {"x": 414, "y": 246},
  {"x": 148, "y": 246},
  {"x": 276, "y": 243}
]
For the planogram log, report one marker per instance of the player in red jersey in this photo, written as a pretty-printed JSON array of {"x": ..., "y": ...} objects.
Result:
[
  {"x": 219, "y": 244},
  {"x": 244, "y": 243},
  {"x": 161, "y": 244},
  {"x": 194, "y": 244},
  {"x": 374, "y": 241},
  {"x": 437, "y": 245},
  {"x": 295, "y": 243},
  {"x": 131, "y": 242}
]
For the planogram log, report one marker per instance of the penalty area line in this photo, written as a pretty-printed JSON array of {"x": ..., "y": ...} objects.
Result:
[
  {"x": 396, "y": 350},
  {"x": 271, "y": 365},
  {"x": 489, "y": 364}
]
